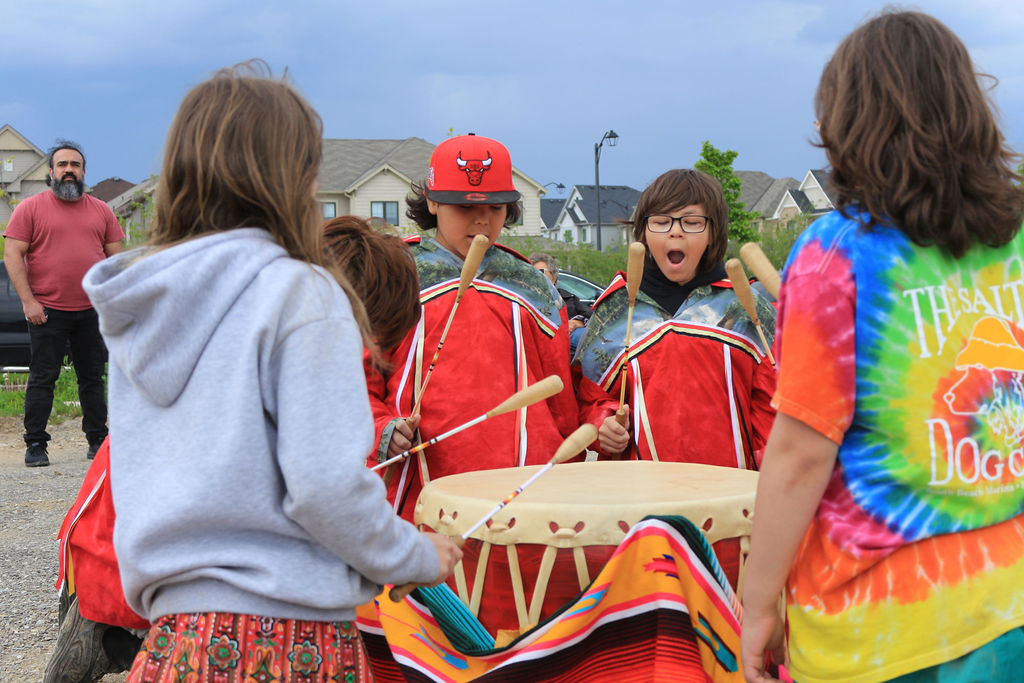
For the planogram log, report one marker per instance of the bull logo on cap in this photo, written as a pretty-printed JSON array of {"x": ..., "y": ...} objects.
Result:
[{"x": 474, "y": 168}]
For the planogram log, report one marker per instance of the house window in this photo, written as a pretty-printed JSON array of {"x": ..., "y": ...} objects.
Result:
[
  {"x": 330, "y": 210},
  {"x": 388, "y": 211},
  {"x": 9, "y": 164}
]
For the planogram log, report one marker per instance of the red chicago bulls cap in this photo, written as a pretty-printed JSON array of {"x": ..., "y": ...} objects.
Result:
[{"x": 470, "y": 169}]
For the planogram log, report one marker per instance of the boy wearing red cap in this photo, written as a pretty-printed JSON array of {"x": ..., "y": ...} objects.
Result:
[{"x": 508, "y": 332}]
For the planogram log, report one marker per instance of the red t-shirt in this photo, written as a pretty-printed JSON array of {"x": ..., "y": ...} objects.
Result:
[{"x": 65, "y": 239}]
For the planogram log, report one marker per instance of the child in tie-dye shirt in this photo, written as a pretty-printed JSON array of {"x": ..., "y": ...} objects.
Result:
[{"x": 892, "y": 486}]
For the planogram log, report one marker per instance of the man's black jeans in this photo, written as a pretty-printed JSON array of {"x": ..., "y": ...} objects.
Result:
[{"x": 88, "y": 355}]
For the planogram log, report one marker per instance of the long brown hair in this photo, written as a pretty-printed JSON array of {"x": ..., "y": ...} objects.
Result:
[
  {"x": 244, "y": 150},
  {"x": 382, "y": 271},
  {"x": 677, "y": 189},
  {"x": 912, "y": 138}
]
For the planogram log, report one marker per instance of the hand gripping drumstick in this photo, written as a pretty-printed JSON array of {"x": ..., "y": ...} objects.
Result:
[
  {"x": 761, "y": 267},
  {"x": 634, "y": 275},
  {"x": 547, "y": 387},
  {"x": 469, "y": 267},
  {"x": 741, "y": 286},
  {"x": 575, "y": 443}
]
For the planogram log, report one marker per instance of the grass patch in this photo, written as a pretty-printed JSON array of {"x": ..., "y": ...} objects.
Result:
[{"x": 65, "y": 395}]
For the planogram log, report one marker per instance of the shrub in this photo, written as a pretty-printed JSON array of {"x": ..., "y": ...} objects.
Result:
[
  {"x": 581, "y": 259},
  {"x": 65, "y": 396}
]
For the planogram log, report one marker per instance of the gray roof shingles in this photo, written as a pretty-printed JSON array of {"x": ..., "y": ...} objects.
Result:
[
  {"x": 549, "y": 210},
  {"x": 801, "y": 201},
  {"x": 346, "y": 161},
  {"x": 617, "y": 201},
  {"x": 822, "y": 176},
  {"x": 768, "y": 202}
]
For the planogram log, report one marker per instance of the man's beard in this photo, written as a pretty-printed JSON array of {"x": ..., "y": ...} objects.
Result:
[{"x": 69, "y": 189}]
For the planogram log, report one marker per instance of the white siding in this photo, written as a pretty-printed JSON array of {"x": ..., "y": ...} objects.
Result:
[
  {"x": 21, "y": 161},
  {"x": 532, "y": 223},
  {"x": 817, "y": 198},
  {"x": 383, "y": 187},
  {"x": 787, "y": 203},
  {"x": 341, "y": 202},
  {"x": 565, "y": 225}
]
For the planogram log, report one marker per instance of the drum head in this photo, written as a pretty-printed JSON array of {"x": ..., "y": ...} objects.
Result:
[{"x": 589, "y": 503}]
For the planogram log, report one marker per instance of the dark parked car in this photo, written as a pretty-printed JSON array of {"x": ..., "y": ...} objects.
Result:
[
  {"x": 585, "y": 289},
  {"x": 14, "y": 346}
]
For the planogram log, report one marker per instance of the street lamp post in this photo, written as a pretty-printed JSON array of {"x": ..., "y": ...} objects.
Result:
[{"x": 612, "y": 138}]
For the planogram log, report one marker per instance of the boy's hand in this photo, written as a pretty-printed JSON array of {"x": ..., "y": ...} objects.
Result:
[
  {"x": 401, "y": 438},
  {"x": 612, "y": 436}
]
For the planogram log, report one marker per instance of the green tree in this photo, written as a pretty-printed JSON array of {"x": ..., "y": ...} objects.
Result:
[{"x": 718, "y": 164}]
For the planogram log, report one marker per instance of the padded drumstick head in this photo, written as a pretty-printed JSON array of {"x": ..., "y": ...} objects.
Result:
[
  {"x": 547, "y": 387},
  {"x": 741, "y": 286},
  {"x": 761, "y": 267},
  {"x": 575, "y": 443},
  {"x": 472, "y": 263},
  {"x": 635, "y": 269}
]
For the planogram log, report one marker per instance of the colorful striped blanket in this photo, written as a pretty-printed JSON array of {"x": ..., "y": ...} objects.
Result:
[{"x": 660, "y": 610}]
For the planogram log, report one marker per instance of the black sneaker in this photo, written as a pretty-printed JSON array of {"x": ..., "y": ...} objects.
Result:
[
  {"x": 78, "y": 655},
  {"x": 35, "y": 455},
  {"x": 93, "y": 448}
]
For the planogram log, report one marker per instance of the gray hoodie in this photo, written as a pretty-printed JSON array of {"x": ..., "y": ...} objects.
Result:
[{"x": 239, "y": 428}]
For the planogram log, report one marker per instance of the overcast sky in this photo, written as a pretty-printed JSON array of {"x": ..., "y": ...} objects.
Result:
[{"x": 546, "y": 78}]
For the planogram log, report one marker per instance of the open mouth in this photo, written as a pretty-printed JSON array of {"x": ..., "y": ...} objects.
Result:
[{"x": 676, "y": 257}]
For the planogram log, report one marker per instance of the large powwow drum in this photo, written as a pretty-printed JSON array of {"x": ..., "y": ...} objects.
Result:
[{"x": 545, "y": 547}]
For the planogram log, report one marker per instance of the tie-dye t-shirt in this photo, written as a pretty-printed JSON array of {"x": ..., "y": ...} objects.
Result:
[{"x": 912, "y": 361}]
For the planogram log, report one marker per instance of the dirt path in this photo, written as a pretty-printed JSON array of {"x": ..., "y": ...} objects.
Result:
[{"x": 33, "y": 502}]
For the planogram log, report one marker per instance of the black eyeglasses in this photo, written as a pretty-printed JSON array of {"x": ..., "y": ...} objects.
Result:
[{"x": 691, "y": 224}]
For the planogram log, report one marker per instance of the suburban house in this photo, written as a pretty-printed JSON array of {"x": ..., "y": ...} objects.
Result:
[
  {"x": 576, "y": 215},
  {"x": 134, "y": 209},
  {"x": 812, "y": 197},
  {"x": 372, "y": 178},
  {"x": 23, "y": 170},
  {"x": 108, "y": 189},
  {"x": 780, "y": 201},
  {"x": 549, "y": 210},
  {"x": 369, "y": 178}
]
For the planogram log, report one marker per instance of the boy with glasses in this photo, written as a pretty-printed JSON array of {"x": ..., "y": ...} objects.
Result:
[{"x": 698, "y": 384}]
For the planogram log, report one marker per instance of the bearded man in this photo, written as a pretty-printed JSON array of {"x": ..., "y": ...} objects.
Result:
[{"x": 52, "y": 239}]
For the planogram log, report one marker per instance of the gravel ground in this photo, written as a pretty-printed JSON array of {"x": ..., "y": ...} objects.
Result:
[{"x": 33, "y": 502}]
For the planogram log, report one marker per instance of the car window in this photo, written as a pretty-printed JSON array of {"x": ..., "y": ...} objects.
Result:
[{"x": 586, "y": 291}]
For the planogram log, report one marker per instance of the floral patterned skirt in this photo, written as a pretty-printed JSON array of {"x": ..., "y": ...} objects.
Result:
[{"x": 219, "y": 647}]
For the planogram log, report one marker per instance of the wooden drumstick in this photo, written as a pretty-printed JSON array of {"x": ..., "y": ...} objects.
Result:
[
  {"x": 634, "y": 275},
  {"x": 741, "y": 285},
  {"x": 469, "y": 267},
  {"x": 547, "y": 387},
  {"x": 574, "y": 443},
  {"x": 761, "y": 267}
]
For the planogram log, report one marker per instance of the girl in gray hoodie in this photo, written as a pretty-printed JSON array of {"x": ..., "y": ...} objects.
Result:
[{"x": 248, "y": 527}]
